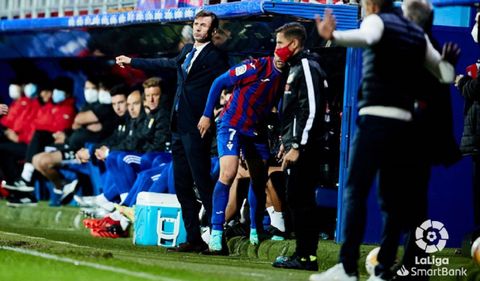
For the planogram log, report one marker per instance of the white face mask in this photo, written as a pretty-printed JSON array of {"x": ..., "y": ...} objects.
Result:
[
  {"x": 91, "y": 95},
  {"x": 58, "y": 96},
  {"x": 14, "y": 91},
  {"x": 475, "y": 29},
  {"x": 104, "y": 97},
  {"x": 30, "y": 90},
  {"x": 475, "y": 33}
]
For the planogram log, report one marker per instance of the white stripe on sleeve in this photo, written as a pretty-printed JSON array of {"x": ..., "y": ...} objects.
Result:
[{"x": 311, "y": 101}]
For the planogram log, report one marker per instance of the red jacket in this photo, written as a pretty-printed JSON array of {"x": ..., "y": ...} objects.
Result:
[
  {"x": 53, "y": 118},
  {"x": 18, "y": 111}
]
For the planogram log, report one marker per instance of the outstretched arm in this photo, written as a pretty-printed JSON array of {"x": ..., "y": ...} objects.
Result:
[{"x": 369, "y": 33}]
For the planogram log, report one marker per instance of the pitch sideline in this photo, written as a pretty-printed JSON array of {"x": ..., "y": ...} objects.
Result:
[{"x": 88, "y": 264}]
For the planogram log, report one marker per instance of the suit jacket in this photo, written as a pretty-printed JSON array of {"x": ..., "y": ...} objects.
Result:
[{"x": 192, "y": 88}]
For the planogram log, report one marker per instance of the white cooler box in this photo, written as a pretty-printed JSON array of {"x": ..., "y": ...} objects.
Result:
[{"x": 158, "y": 220}]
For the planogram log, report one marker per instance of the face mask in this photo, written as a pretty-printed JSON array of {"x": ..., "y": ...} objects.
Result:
[
  {"x": 475, "y": 33},
  {"x": 14, "y": 91},
  {"x": 284, "y": 53},
  {"x": 91, "y": 95},
  {"x": 58, "y": 96},
  {"x": 30, "y": 90},
  {"x": 104, "y": 97},
  {"x": 475, "y": 29}
]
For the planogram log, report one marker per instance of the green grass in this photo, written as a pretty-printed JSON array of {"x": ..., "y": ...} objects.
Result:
[{"x": 42, "y": 229}]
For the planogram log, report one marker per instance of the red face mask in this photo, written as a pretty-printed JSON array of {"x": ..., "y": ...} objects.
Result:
[{"x": 284, "y": 53}]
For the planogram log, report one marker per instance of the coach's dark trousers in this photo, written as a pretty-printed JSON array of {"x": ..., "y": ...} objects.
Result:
[
  {"x": 383, "y": 147},
  {"x": 191, "y": 164},
  {"x": 302, "y": 179}
]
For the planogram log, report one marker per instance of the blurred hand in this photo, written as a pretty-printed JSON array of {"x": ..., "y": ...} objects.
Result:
[
  {"x": 243, "y": 162},
  {"x": 59, "y": 137},
  {"x": 457, "y": 79},
  {"x": 11, "y": 135},
  {"x": 101, "y": 153},
  {"x": 123, "y": 60},
  {"x": 281, "y": 153},
  {"x": 451, "y": 53},
  {"x": 95, "y": 127},
  {"x": 203, "y": 125},
  {"x": 3, "y": 109},
  {"x": 290, "y": 158},
  {"x": 83, "y": 155},
  {"x": 76, "y": 126},
  {"x": 327, "y": 26}
]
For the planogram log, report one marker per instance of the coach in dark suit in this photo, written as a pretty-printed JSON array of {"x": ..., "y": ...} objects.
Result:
[{"x": 197, "y": 66}]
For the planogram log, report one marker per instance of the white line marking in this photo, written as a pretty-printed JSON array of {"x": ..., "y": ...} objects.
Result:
[
  {"x": 88, "y": 264},
  {"x": 45, "y": 239},
  {"x": 114, "y": 269}
]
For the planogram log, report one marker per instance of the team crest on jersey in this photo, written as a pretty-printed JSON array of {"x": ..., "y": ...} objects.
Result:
[
  {"x": 239, "y": 70},
  {"x": 230, "y": 145}
]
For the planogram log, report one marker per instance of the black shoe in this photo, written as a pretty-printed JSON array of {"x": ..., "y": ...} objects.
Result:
[
  {"x": 236, "y": 229},
  {"x": 275, "y": 234},
  {"x": 18, "y": 185},
  {"x": 27, "y": 199},
  {"x": 296, "y": 262},
  {"x": 222, "y": 252},
  {"x": 189, "y": 248}
]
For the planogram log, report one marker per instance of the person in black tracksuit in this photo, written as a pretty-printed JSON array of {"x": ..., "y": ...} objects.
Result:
[
  {"x": 149, "y": 132},
  {"x": 124, "y": 137},
  {"x": 301, "y": 123},
  {"x": 149, "y": 141}
]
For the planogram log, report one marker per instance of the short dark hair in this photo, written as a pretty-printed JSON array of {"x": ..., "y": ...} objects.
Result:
[
  {"x": 293, "y": 30},
  {"x": 65, "y": 84},
  {"x": 205, "y": 13},
  {"x": 45, "y": 85},
  {"x": 384, "y": 5},
  {"x": 93, "y": 79},
  {"x": 107, "y": 82},
  {"x": 120, "y": 89}
]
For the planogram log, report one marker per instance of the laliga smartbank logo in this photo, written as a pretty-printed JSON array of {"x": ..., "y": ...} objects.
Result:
[{"x": 431, "y": 237}]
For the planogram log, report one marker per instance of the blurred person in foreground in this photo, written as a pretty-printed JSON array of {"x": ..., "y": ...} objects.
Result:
[{"x": 384, "y": 141}]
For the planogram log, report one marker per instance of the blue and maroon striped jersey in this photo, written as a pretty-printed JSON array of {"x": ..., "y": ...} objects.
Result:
[{"x": 257, "y": 87}]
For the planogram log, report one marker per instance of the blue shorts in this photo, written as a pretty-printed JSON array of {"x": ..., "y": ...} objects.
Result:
[{"x": 230, "y": 142}]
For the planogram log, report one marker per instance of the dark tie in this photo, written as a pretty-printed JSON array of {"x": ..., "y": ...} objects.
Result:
[
  {"x": 188, "y": 60},
  {"x": 185, "y": 65}
]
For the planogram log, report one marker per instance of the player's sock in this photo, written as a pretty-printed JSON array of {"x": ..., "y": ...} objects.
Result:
[
  {"x": 215, "y": 243},
  {"x": 220, "y": 200},
  {"x": 276, "y": 219},
  {"x": 252, "y": 201},
  {"x": 27, "y": 172},
  {"x": 253, "y": 236}
]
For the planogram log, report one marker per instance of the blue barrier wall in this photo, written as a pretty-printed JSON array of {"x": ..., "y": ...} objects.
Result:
[{"x": 453, "y": 16}]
